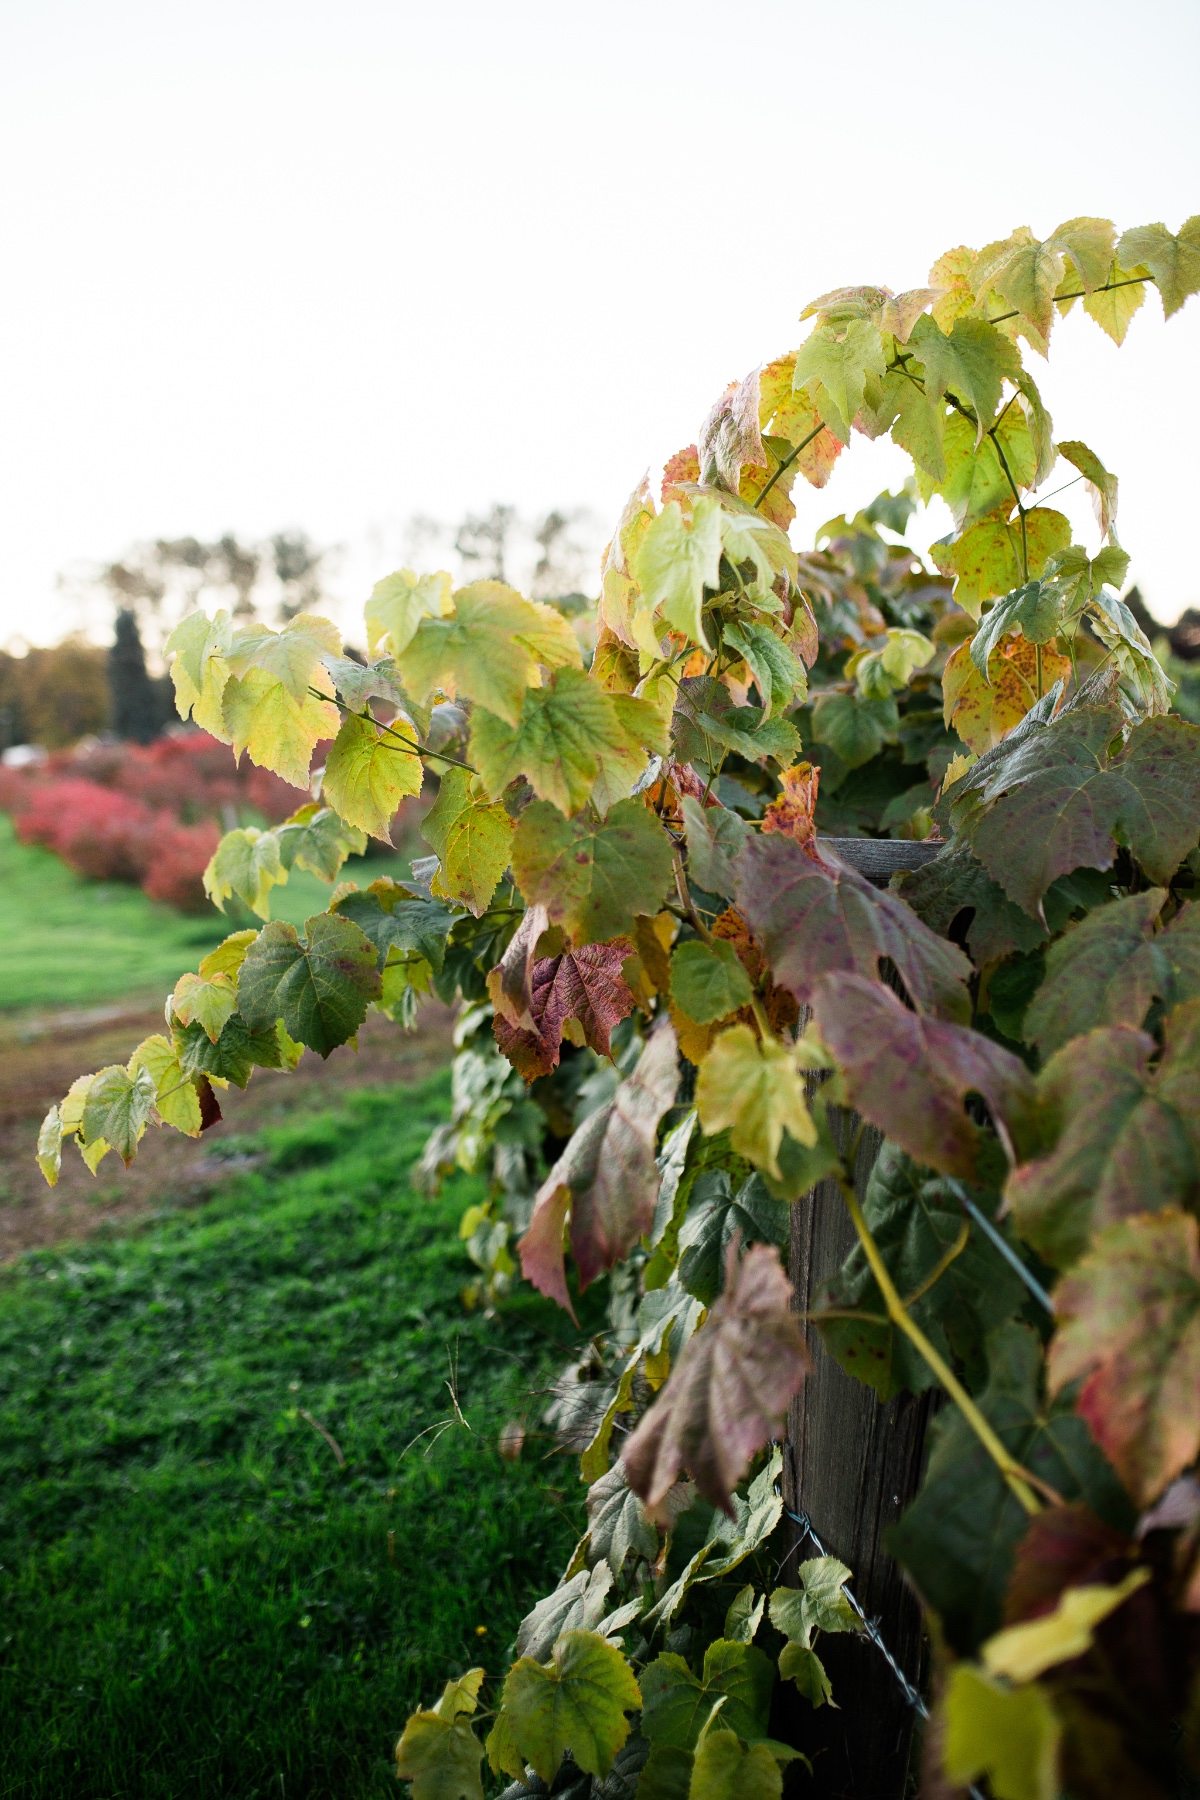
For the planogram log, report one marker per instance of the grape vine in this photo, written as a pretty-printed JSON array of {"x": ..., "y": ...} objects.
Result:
[{"x": 669, "y": 974}]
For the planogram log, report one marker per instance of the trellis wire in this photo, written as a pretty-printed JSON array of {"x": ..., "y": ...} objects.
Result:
[{"x": 999, "y": 1243}]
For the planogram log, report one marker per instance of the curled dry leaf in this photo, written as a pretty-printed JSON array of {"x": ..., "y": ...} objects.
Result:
[
  {"x": 606, "y": 1179},
  {"x": 728, "y": 1393},
  {"x": 583, "y": 984}
]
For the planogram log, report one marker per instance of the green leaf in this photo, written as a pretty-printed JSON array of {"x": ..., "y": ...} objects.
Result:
[
  {"x": 818, "y": 1604},
  {"x": 593, "y": 876},
  {"x": 49, "y": 1146},
  {"x": 316, "y": 838},
  {"x": 246, "y": 863},
  {"x": 291, "y": 656},
  {"x": 676, "y": 560},
  {"x": 972, "y": 362},
  {"x": 210, "y": 1003},
  {"x": 975, "y": 482},
  {"x": 855, "y": 729},
  {"x": 748, "y": 731},
  {"x": 235, "y": 1055},
  {"x": 320, "y": 986},
  {"x": 957, "y": 1540},
  {"x": 1174, "y": 261},
  {"x": 1113, "y": 310},
  {"x": 1089, "y": 244},
  {"x": 570, "y": 734},
  {"x": 280, "y": 731},
  {"x": 617, "y": 1522},
  {"x": 728, "y": 1392},
  {"x": 677, "y": 1705},
  {"x": 1123, "y": 1136},
  {"x": 1026, "y": 273},
  {"x": 606, "y": 1177},
  {"x": 116, "y": 1111},
  {"x": 778, "y": 671},
  {"x": 805, "y": 1668},
  {"x": 754, "y": 1087},
  {"x": 715, "y": 835},
  {"x": 726, "y": 1769},
  {"x": 1009, "y": 1735},
  {"x": 369, "y": 772},
  {"x": 833, "y": 363},
  {"x": 575, "y": 1702},
  {"x": 473, "y": 838},
  {"x": 1167, "y": 967},
  {"x": 393, "y": 921},
  {"x": 919, "y": 1228},
  {"x": 1033, "y": 610},
  {"x": 910, "y": 1076},
  {"x": 488, "y": 650},
  {"x": 708, "y": 981},
  {"x": 953, "y": 883},
  {"x": 397, "y": 605},
  {"x": 175, "y": 1097},
  {"x": 666, "y": 1774},
  {"x": 1129, "y": 1325},
  {"x": 1088, "y": 974},
  {"x": 1055, "y": 800},
  {"x": 743, "y": 1616},
  {"x": 919, "y": 426},
  {"x": 439, "y": 1752},
  {"x": 1142, "y": 675},
  {"x": 577, "y": 1604},
  {"x": 714, "y": 1216}
]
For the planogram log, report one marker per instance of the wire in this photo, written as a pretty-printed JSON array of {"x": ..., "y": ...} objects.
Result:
[{"x": 1001, "y": 1244}]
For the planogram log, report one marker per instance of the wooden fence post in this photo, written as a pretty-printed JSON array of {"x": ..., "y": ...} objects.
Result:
[{"x": 851, "y": 1465}]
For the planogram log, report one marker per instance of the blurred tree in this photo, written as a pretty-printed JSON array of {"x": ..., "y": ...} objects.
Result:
[
  {"x": 298, "y": 564},
  {"x": 136, "y": 707},
  {"x": 53, "y": 697},
  {"x": 483, "y": 539}
]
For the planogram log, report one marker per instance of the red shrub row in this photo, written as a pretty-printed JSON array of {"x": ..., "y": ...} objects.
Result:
[{"x": 152, "y": 816}]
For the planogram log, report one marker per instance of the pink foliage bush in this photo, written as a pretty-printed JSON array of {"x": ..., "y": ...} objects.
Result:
[{"x": 150, "y": 815}]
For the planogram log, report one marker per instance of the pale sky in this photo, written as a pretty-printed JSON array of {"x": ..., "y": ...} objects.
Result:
[{"x": 276, "y": 263}]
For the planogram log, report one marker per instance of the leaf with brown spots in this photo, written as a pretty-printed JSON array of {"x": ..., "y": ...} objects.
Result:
[{"x": 583, "y": 984}]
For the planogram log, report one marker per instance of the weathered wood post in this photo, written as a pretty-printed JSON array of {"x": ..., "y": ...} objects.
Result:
[{"x": 851, "y": 1465}]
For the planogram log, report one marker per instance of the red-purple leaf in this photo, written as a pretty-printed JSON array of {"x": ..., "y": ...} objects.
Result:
[
  {"x": 607, "y": 1177},
  {"x": 910, "y": 1075},
  {"x": 729, "y": 1391},
  {"x": 816, "y": 918},
  {"x": 583, "y": 984},
  {"x": 510, "y": 982},
  {"x": 1130, "y": 1326}
]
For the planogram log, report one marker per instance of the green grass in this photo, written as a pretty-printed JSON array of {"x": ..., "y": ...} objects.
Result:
[
  {"x": 67, "y": 942},
  {"x": 195, "y": 1599}
]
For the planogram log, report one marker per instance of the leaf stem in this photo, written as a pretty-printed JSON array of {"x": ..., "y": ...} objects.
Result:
[
  {"x": 1060, "y": 299},
  {"x": 1017, "y": 1478},
  {"x": 787, "y": 462}
]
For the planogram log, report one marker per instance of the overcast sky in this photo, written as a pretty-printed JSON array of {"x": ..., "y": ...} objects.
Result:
[{"x": 274, "y": 264}]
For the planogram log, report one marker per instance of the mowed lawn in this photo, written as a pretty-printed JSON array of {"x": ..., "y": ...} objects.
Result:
[
  {"x": 198, "y": 1597},
  {"x": 67, "y": 943}
]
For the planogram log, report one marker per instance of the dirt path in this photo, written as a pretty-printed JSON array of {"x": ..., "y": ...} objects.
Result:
[{"x": 40, "y": 1057}]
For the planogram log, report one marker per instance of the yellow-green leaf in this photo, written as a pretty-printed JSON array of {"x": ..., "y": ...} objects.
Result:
[
  {"x": 756, "y": 1089},
  {"x": 49, "y": 1146},
  {"x": 707, "y": 980},
  {"x": 116, "y": 1111},
  {"x": 833, "y": 363},
  {"x": 676, "y": 560},
  {"x": 370, "y": 771},
  {"x": 291, "y": 656},
  {"x": 569, "y": 734},
  {"x": 972, "y": 363},
  {"x": 279, "y": 730},
  {"x": 1011, "y": 1735},
  {"x": 438, "y": 1752},
  {"x": 229, "y": 955},
  {"x": 1114, "y": 305},
  {"x": 593, "y": 876},
  {"x": 727, "y": 1769},
  {"x": 246, "y": 863},
  {"x": 175, "y": 1095},
  {"x": 1101, "y": 486},
  {"x": 1174, "y": 261},
  {"x": 1023, "y": 1652},
  {"x": 989, "y": 559},
  {"x": 397, "y": 605},
  {"x": 197, "y": 649},
  {"x": 577, "y": 1701},
  {"x": 207, "y": 1001},
  {"x": 488, "y": 649},
  {"x": 473, "y": 839}
]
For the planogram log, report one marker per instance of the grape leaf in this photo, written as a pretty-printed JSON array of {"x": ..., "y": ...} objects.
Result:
[
  {"x": 676, "y": 560},
  {"x": 577, "y": 1701},
  {"x": 1129, "y": 1325},
  {"x": 49, "y": 1146},
  {"x": 1010, "y": 1735},
  {"x": 246, "y": 863},
  {"x": 984, "y": 710},
  {"x": 726, "y": 1769},
  {"x": 386, "y": 914},
  {"x": 792, "y": 417},
  {"x": 584, "y": 984},
  {"x": 320, "y": 986},
  {"x": 677, "y": 1704},
  {"x": 1113, "y": 310},
  {"x": 577, "y": 1604},
  {"x": 1174, "y": 261},
  {"x": 1056, "y": 801},
  {"x": 953, "y": 884},
  {"x": 397, "y": 605},
  {"x": 280, "y": 731},
  {"x": 730, "y": 437},
  {"x": 592, "y": 876},
  {"x": 369, "y": 772},
  {"x": 708, "y": 981},
  {"x": 1168, "y": 966},
  {"x": 357, "y": 684},
  {"x": 833, "y": 364},
  {"x": 855, "y": 729},
  {"x": 473, "y": 838},
  {"x": 910, "y": 1075},
  {"x": 175, "y": 1097},
  {"x": 778, "y": 671},
  {"x": 818, "y": 1604},
  {"x": 805, "y": 1668},
  {"x": 754, "y": 1087},
  {"x": 1023, "y": 1652},
  {"x": 290, "y": 656},
  {"x": 1026, "y": 273},
  {"x": 229, "y": 954},
  {"x": 438, "y": 1751},
  {"x": 570, "y": 733},
  {"x": 510, "y": 983},
  {"x": 607, "y": 1177},
  {"x": 116, "y": 1111},
  {"x": 196, "y": 649},
  {"x": 813, "y": 918},
  {"x": 919, "y": 1228},
  {"x": 235, "y": 1055},
  {"x": 973, "y": 360},
  {"x": 208, "y": 1002},
  {"x": 975, "y": 482},
  {"x": 617, "y": 1523},
  {"x": 715, "y": 1214},
  {"x": 714, "y": 837},
  {"x": 957, "y": 1539},
  {"x": 488, "y": 649},
  {"x": 1125, "y": 1138},
  {"x": 1088, "y": 975},
  {"x": 1089, "y": 244},
  {"x": 316, "y": 838},
  {"x": 743, "y": 1615},
  {"x": 727, "y": 1394},
  {"x": 1031, "y": 609}
]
